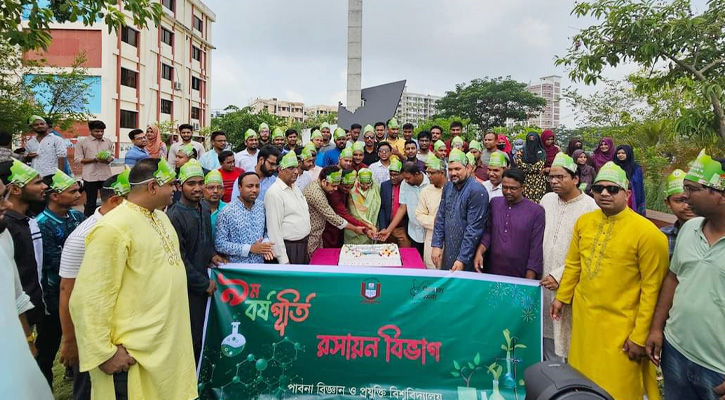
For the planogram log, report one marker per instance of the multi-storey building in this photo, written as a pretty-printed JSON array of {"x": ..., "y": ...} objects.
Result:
[
  {"x": 280, "y": 108},
  {"x": 141, "y": 76},
  {"x": 415, "y": 107},
  {"x": 319, "y": 110},
  {"x": 548, "y": 88}
]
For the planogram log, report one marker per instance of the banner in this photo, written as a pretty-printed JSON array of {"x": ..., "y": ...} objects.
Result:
[{"x": 310, "y": 332}]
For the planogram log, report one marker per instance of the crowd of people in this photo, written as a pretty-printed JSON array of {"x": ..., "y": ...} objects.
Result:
[{"x": 118, "y": 291}]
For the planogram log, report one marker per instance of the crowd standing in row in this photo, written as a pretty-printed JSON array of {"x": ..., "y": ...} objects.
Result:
[{"x": 121, "y": 290}]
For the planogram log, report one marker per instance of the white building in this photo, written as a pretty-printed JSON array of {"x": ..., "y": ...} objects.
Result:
[
  {"x": 415, "y": 107},
  {"x": 141, "y": 76},
  {"x": 548, "y": 88}
]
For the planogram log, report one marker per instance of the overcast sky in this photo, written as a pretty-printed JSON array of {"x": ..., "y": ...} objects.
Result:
[{"x": 297, "y": 50}]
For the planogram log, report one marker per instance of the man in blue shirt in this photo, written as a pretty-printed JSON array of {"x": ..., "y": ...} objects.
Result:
[
  {"x": 137, "y": 152},
  {"x": 331, "y": 156},
  {"x": 241, "y": 226},
  {"x": 56, "y": 223}
]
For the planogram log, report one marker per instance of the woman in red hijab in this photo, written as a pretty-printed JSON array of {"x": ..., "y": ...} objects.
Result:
[
  {"x": 155, "y": 147},
  {"x": 503, "y": 144},
  {"x": 547, "y": 139}
]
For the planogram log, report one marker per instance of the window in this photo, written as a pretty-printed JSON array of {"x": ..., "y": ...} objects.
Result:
[
  {"x": 195, "y": 112},
  {"x": 195, "y": 83},
  {"x": 170, "y": 4},
  {"x": 167, "y": 36},
  {"x": 129, "y": 78},
  {"x": 196, "y": 53},
  {"x": 129, "y": 119},
  {"x": 167, "y": 72},
  {"x": 198, "y": 24},
  {"x": 129, "y": 35},
  {"x": 166, "y": 106}
]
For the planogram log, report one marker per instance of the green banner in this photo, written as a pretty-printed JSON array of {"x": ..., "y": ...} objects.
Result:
[{"x": 284, "y": 332}]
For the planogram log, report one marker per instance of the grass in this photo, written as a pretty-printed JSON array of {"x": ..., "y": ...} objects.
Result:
[{"x": 62, "y": 389}]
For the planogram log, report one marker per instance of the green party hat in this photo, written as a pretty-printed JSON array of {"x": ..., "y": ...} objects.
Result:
[
  {"x": 277, "y": 133},
  {"x": 324, "y": 125},
  {"x": 457, "y": 141},
  {"x": 316, "y": 134},
  {"x": 263, "y": 126},
  {"x": 309, "y": 151},
  {"x": 250, "y": 133},
  {"x": 187, "y": 149},
  {"x": 190, "y": 170},
  {"x": 438, "y": 144},
  {"x": 21, "y": 174},
  {"x": 61, "y": 182},
  {"x": 475, "y": 145},
  {"x": 103, "y": 155},
  {"x": 346, "y": 153},
  {"x": 335, "y": 177},
  {"x": 707, "y": 172},
  {"x": 34, "y": 118},
  {"x": 349, "y": 177},
  {"x": 213, "y": 176},
  {"x": 471, "y": 158},
  {"x": 368, "y": 128},
  {"x": 365, "y": 175},
  {"x": 497, "y": 160},
  {"x": 456, "y": 155},
  {"x": 289, "y": 160},
  {"x": 395, "y": 165},
  {"x": 164, "y": 173},
  {"x": 358, "y": 146},
  {"x": 122, "y": 186},
  {"x": 393, "y": 123},
  {"x": 339, "y": 133},
  {"x": 674, "y": 183},
  {"x": 564, "y": 161},
  {"x": 613, "y": 173},
  {"x": 434, "y": 162}
]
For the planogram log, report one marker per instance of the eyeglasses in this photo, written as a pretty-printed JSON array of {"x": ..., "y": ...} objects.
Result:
[
  {"x": 431, "y": 172},
  {"x": 369, "y": 137},
  {"x": 556, "y": 178},
  {"x": 611, "y": 189}
]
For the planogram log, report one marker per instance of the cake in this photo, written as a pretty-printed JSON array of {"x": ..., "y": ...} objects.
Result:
[{"x": 370, "y": 255}]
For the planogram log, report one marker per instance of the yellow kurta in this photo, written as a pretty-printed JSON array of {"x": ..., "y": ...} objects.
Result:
[
  {"x": 612, "y": 278},
  {"x": 131, "y": 290}
]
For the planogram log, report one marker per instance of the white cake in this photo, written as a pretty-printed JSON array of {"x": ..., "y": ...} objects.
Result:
[{"x": 370, "y": 255}]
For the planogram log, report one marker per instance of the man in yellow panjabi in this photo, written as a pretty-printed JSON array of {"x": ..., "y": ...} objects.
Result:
[
  {"x": 612, "y": 277},
  {"x": 129, "y": 304}
]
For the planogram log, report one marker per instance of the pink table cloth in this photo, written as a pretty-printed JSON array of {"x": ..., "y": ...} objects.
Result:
[{"x": 409, "y": 257}]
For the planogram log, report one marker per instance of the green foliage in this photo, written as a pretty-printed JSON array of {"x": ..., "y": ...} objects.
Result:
[
  {"x": 496, "y": 370},
  {"x": 62, "y": 96},
  {"x": 667, "y": 39},
  {"x": 37, "y": 33},
  {"x": 490, "y": 102},
  {"x": 15, "y": 104},
  {"x": 237, "y": 120},
  {"x": 467, "y": 370}
]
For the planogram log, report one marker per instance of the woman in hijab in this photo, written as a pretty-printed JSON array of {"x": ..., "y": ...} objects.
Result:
[
  {"x": 531, "y": 163},
  {"x": 155, "y": 147},
  {"x": 518, "y": 147},
  {"x": 587, "y": 171},
  {"x": 625, "y": 159},
  {"x": 503, "y": 144},
  {"x": 364, "y": 204},
  {"x": 603, "y": 153},
  {"x": 547, "y": 139},
  {"x": 574, "y": 144}
]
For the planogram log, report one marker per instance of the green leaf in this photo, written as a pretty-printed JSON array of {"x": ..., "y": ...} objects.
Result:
[
  {"x": 471, "y": 366},
  {"x": 456, "y": 374},
  {"x": 504, "y": 348},
  {"x": 477, "y": 359},
  {"x": 456, "y": 365}
]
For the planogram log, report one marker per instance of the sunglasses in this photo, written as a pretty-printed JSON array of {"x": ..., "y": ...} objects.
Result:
[{"x": 611, "y": 189}]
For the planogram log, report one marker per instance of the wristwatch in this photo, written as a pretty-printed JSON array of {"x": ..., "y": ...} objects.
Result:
[{"x": 30, "y": 338}]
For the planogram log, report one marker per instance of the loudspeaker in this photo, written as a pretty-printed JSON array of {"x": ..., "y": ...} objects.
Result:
[{"x": 558, "y": 381}]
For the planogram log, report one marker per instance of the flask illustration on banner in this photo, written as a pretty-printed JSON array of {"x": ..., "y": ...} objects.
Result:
[{"x": 233, "y": 344}]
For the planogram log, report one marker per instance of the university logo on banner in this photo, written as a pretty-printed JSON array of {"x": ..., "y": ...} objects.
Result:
[{"x": 370, "y": 290}]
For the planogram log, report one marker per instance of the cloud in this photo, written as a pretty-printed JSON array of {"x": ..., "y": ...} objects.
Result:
[
  {"x": 534, "y": 32},
  {"x": 294, "y": 96},
  {"x": 338, "y": 96}
]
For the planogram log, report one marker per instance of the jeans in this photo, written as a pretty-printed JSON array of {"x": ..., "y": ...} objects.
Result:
[{"x": 686, "y": 380}]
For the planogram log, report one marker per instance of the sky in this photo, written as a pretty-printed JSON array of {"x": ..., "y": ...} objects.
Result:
[{"x": 297, "y": 49}]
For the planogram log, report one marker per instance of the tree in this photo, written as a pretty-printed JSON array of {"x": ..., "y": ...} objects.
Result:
[
  {"x": 236, "y": 121},
  {"x": 15, "y": 104},
  {"x": 469, "y": 131},
  {"x": 62, "y": 96},
  {"x": 36, "y": 34},
  {"x": 490, "y": 102},
  {"x": 615, "y": 105},
  {"x": 667, "y": 39}
]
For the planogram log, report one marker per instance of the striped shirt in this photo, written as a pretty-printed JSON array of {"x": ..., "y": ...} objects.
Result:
[{"x": 75, "y": 247}]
